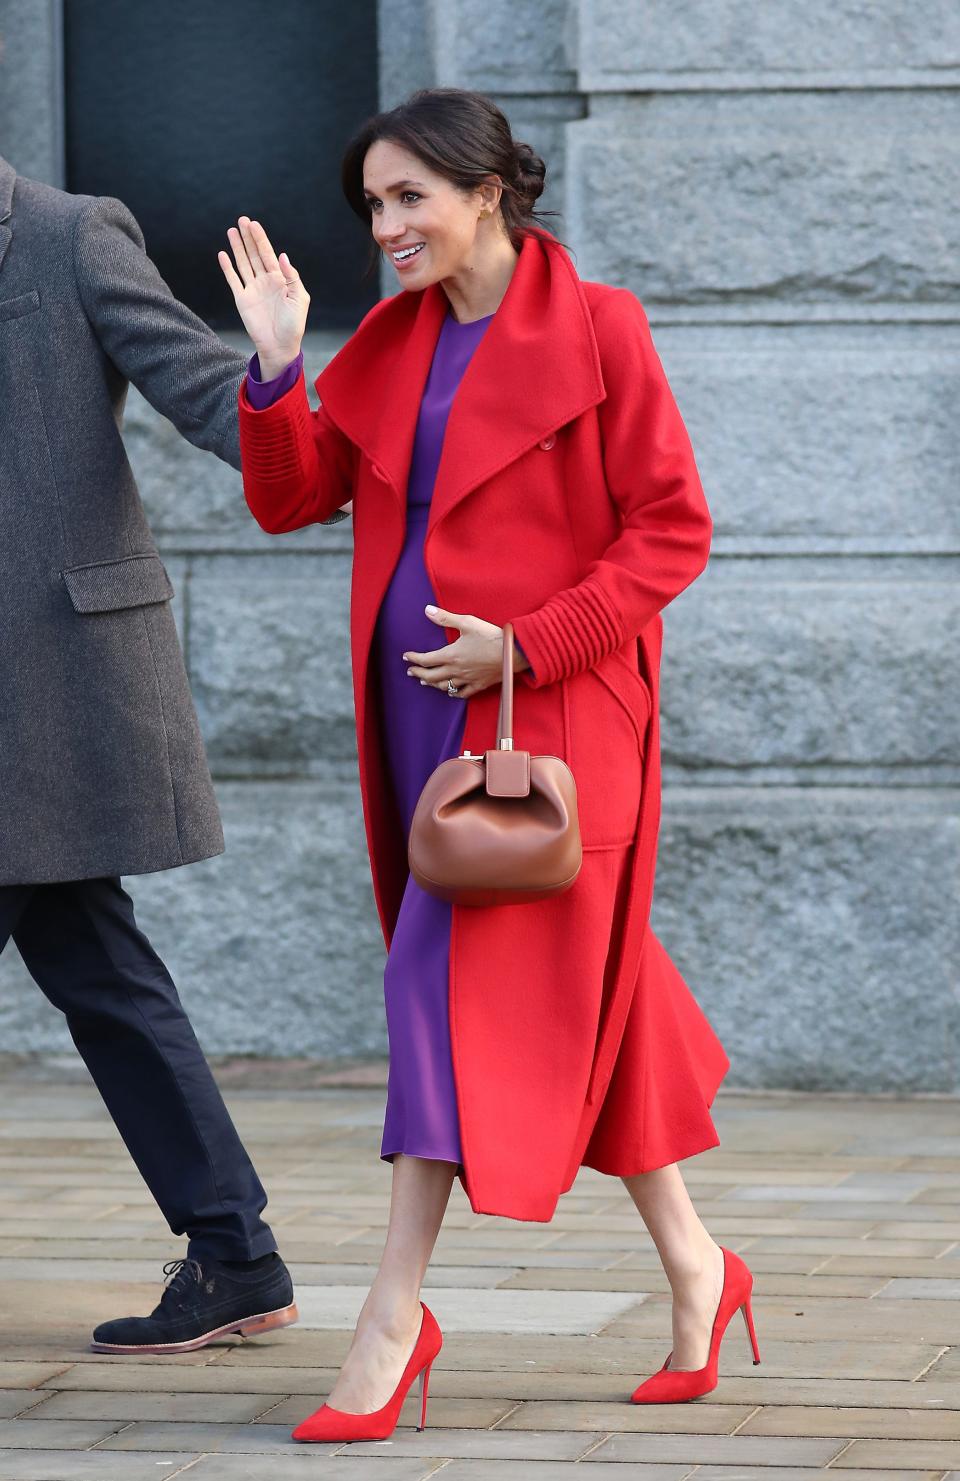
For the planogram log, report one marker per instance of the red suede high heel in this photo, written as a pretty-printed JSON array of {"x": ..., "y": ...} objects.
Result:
[
  {"x": 675, "y": 1385},
  {"x": 338, "y": 1425}
]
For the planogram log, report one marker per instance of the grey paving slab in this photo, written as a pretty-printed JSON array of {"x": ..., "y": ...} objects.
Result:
[
  {"x": 15, "y": 1401},
  {"x": 235, "y": 1439},
  {"x": 304, "y": 1462},
  {"x": 52, "y": 1434},
  {"x": 938, "y": 1267},
  {"x": 844, "y": 1245},
  {"x": 466, "y": 1310},
  {"x": 496, "y": 1444},
  {"x": 935, "y": 1229},
  {"x": 37, "y": 1130},
  {"x": 856, "y": 1392},
  {"x": 52, "y": 1247},
  {"x": 619, "y": 1414},
  {"x": 812, "y": 1316},
  {"x": 102, "y": 1272},
  {"x": 944, "y": 1368},
  {"x": 730, "y": 1450},
  {"x": 482, "y": 1277},
  {"x": 121, "y": 1407},
  {"x": 532, "y": 1259},
  {"x": 845, "y": 1192},
  {"x": 909, "y": 1146},
  {"x": 855, "y": 1423},
  {"x": 914, "y": 1289},
  {"x": 91, "y": 1465},
  {"x": 15, "y": 1374},
  {"x": 904, "y": 1454},
  {"x": 790, "y": 1473},
  {"x": 546, "y": 1470},
  {"x": 144, "y": 1376}
]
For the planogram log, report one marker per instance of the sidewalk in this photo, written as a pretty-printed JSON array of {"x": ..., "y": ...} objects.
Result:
[{"x": 848, "y": 1211}]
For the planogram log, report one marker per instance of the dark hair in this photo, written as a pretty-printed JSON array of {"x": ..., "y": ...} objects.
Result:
[{"x": 464, "y": 137}]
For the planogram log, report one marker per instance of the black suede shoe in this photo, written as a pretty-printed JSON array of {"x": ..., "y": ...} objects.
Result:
[{"x": 204, "y": 1301}]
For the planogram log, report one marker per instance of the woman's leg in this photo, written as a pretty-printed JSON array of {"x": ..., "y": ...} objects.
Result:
[
  {"x": 693, "y": 1261},
  {"x": 389, "y": 1321}
]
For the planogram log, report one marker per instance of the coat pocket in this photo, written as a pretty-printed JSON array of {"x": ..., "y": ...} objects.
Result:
[
  {"x": 24, "y": 303},
  {"x": 110, "y": 586}
]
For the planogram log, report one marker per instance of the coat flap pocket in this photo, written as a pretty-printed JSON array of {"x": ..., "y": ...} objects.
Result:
[
  {"x": 109, "y": 586},
  {"x": 25, "y": 303}
]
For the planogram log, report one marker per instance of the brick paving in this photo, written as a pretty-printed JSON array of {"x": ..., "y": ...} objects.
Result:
[{"x": 847, "y": 1209}]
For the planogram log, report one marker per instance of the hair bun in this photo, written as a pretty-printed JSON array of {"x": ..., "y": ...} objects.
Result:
[{"x": 531, "y": 172}]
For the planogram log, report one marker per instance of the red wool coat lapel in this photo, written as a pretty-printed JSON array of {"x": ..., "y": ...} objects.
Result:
[{"x": 535, "y": 369}]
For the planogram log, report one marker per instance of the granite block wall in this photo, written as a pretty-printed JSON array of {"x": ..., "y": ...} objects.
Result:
[{"x": 777, "y": 185}]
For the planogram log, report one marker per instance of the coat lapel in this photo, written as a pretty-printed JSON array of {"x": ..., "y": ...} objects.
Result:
[
  {"x": 8, "y": 176},
  {"x": 536, "y": 367},
  {"x": 373, "y": 387}
]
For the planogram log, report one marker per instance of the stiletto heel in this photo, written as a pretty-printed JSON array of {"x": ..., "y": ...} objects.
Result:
[
  {"x": 338, "y": 1425},
  {"x": 747, "y": 1311},
  {"x": 424, "y": 1384},
  {"x": 676, "y": 1385}
]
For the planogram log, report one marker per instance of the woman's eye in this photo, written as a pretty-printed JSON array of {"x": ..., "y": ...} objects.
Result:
[{"x": 376, "y": 204}]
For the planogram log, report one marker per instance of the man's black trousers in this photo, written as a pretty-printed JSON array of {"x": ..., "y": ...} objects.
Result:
[{"x": 81, "y": 944}]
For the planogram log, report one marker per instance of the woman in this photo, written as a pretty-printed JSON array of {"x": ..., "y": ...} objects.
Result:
[{"x": 512, "y": 453}]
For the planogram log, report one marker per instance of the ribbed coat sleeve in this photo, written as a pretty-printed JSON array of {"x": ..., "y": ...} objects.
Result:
[
  {"x": 652, "y": 477},
  {"x": 298, "y": 467},
  {"x": 184, "y": 370}
]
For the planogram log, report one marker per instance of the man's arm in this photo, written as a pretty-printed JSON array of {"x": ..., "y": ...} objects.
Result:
[{"x": 183, "y": 369}]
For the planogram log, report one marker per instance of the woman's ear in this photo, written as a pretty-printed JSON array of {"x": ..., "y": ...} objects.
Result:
[{"x": 490, "y": 192}]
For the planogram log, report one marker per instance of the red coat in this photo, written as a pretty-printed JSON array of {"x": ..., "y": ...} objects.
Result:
[{"x": 567, "y": 501}]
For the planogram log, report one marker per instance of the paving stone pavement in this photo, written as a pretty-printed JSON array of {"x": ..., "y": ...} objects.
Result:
[{"x": 847, "y": 1210}]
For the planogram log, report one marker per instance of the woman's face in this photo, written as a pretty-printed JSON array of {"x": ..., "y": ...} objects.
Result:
[{"x": 412, "y": 207}]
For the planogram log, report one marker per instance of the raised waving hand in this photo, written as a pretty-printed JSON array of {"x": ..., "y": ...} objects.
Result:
[{"x": 269, "y": 295}]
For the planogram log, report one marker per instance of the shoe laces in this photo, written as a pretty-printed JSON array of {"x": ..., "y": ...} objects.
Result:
[{"x": 181, "y": 1277}]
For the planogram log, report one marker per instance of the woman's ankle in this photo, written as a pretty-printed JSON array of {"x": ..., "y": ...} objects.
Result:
[
  {"x": 695, "y": 1266},
  {"x": 391, "y": 1318}
]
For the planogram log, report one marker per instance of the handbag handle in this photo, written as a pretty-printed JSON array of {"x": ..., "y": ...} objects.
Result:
[{"x": 505, "y": 716}]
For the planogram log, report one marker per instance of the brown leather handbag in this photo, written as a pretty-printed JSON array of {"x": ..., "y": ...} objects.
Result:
[{"x": 497, "y": 829}]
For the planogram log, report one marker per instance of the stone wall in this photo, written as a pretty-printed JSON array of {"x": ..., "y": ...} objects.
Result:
[{"x": 778, "y": 185}]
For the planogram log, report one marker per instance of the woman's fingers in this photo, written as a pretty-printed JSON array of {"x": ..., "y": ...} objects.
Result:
[
  {"x": 240, "y": 255},
  {"x": 252, "y": 251},
  {"x": 253, "y": 254},
  {"x": 229, "y": 273},
  {"x": 263, "y": 247},
  {"x": 290, "y": 273},
  {"x": 429, "y": 660},
  {"x": 432, "y": 675}
]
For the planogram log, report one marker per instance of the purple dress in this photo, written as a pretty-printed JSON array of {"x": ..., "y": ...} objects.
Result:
[{"x": 423, "y": 726}]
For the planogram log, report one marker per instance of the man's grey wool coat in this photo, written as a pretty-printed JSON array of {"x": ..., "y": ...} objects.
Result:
[{"x": 102, "y": 767}]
